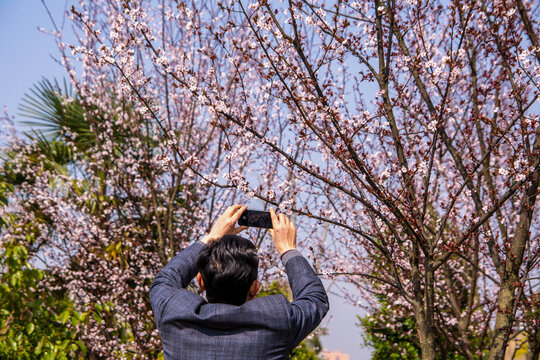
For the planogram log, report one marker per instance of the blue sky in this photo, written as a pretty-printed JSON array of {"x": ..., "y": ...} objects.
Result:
[
  {"x": 26, "y": 53},
  {"x": 27, "y": 56}
]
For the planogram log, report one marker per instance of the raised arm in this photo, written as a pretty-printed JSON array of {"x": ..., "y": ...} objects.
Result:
[
  {"x": 310, "y": 302},
  {"x": 179, "y": 272}
]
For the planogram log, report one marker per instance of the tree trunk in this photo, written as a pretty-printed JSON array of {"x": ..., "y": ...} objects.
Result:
[
  {"x": 423, "y": 303},
  {"x": 510, "y": 276},
  {"x": 425, "y": 333},
  {"x": 504, "y": 319},
  {"x": 534, "y": 346}
]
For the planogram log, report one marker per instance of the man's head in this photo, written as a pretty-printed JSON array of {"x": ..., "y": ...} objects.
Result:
[{"x": 228, "y": 270}]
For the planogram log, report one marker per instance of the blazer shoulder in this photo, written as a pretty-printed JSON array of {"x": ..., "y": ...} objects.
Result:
[
  {"x": 275, "y": 310},
  {"x": 183, "y": 300}
]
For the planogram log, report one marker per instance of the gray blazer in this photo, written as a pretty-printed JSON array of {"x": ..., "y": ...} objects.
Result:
[{"x": 269, "y": 327}]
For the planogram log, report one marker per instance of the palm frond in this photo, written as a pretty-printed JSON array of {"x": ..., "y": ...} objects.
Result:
[
  {"x": 56, "y": 151},
  {"x": 57, "y": 113}
]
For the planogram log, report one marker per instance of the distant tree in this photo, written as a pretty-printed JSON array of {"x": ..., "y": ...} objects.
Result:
[
  {"x": 390, "y": 342},
  {"x": 400, "y": 340}
]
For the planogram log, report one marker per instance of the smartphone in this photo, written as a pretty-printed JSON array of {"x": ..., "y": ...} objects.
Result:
[{"x": 255, "y": 218}]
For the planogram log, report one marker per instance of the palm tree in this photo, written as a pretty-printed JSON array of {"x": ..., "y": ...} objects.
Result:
[{"x": 57, "y": 114}]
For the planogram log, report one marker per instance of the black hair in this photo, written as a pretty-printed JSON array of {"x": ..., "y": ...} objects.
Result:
[{"x": 228, "y": 268}]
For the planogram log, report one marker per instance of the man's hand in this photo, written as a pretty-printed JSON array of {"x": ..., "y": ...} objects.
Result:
[
  {"x": 283, "y": 232},
  {"x": 226, "y": 224}
]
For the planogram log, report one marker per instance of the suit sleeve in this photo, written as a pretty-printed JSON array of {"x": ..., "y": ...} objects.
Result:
[
  {"x": 310, "y": 302},
  {"x": 177, "y": 274}
]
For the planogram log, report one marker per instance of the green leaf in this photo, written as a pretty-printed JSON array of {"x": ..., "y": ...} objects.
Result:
[
  {"x": 3, "y": 199},
  {"x": 4, "y": 312},
  {"x": 84, "y": 317},
  {"x": 12, "y": 344},
  {"x": 23, "y": 251},
  {"x": 82, "y": 347},
  {"x": 13, "y": 281},
  {"x": 30, "y": 328},
  {"x": 36, "y": 274},
  {"x": 64, "y": 316},
  {"x": 75, "y": 320},
  {"x": 96, "y": 317},
  {"x": 39, "y": 346},
  {"x": 5, "y": 288},
  {"x": 64, "y": 344}
]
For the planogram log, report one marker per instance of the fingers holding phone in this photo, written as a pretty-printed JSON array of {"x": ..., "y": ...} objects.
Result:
[
  {"x": 283, "y": 231},
  {"x": 226, "y": 223},
  {"x": 280, "y": 226}
]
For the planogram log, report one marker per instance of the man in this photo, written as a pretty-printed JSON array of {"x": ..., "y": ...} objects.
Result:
[{"x": 233, "y": 324}]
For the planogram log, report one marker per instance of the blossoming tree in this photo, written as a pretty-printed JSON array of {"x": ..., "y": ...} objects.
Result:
[{"x": 405, "y": 135}]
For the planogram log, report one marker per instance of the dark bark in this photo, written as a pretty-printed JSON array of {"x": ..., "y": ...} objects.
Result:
[{"x": 510, "y": 278}]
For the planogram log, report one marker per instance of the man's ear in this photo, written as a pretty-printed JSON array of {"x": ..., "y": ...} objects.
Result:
[
  {"x": 200, "y": 281},
  {"x": 253, "y": 290}
]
